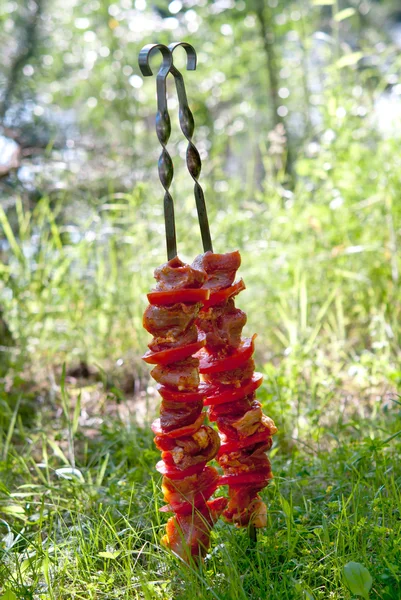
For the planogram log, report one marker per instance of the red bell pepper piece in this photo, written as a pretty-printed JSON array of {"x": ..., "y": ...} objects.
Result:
[
  {"x": 224, "y": 294},
  {"x": 232, "y": 446},
  {"x": 174, "y": 296},
  {"x": 171, "y": 355},
  {"x": 171, "y": 395},
  {"x": 245, "y": 478},
  {"x": 210, "y": 363},
  {"x": 221, "y": 395}
]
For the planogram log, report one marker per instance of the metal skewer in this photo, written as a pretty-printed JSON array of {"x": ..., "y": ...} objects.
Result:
[
  {"x": 163, "y": 130},
  {"x": 187, "y": 124},
  {"x": 193, "y": 160}
]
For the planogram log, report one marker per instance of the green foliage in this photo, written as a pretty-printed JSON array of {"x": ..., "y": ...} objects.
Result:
[
  {"x": 334, "y": 506},
  {"x": 358, "y": 579}
]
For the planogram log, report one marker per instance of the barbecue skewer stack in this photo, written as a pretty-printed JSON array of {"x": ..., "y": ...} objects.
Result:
[
  {"x": 227, "y": 365},
  {"x": 185, "y": 442},
  {"x": 197, "y": 331}
]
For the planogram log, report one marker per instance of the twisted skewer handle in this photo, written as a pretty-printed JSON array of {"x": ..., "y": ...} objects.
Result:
[
  {"x": 187, "y": 124},
  {"x": 163, "y": 130},
  {"x": 166, "y": 173}
]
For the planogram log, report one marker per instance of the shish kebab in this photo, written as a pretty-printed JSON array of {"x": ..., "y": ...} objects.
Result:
[{"x": 196, "y": 331}]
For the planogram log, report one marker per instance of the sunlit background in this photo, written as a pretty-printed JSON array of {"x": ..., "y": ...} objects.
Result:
[{"x": 297, "y": 109}]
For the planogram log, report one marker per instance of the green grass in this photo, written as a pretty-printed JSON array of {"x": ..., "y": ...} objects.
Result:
[{"x": 335, "y": 498}]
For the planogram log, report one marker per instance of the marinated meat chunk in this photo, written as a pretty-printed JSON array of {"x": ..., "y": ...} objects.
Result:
[
  {"x": 246, "y": 459},
  {"x": 189, "y": 535},
  {"x": 169, "y": 321},
  {"x": 253, "y": 421},
  {"x": 249, "y": 423},
  {"x": 189, "y": 336},
  {"x": 174, "y": 415},
  {"x": 175, "y": 275},
  {"x": 183, "y": 375},
  {"x": 242, "y": 426},
  {"x": 231, "y": 324},
  {"x": 220, "y": 268},
  {"x": 245, "y": 506},
  {"x": 222, "y": 325},
  {"x": 185, "y": 452},
  {"x": 192, "y": 488}
]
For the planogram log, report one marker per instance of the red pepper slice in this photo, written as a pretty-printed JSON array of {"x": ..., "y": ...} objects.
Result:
[
  {"x": 224, "y": 294},
  {"x": 174, "y": 296},
  {"x": 171, "y": 395},
  {"x": 210, "y": 363},
  {"x": 182, "y": 431},
  {"x": 171, "y": 355},
  {"x": 244, "y": 478},
  {"x": 217, "y": 504},
  {"x": 232, "y": 446},
  {"x": 231, "y": 394},
  {"x": 174, "y": 473}
]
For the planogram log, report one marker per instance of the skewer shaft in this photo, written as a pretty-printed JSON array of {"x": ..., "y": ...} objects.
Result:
[
  {"x": 253, "y": 534},
  {"x": 166, "y": 173},
  {"x": 193, "y": 160},
  {"x": 163, "y": 130}
]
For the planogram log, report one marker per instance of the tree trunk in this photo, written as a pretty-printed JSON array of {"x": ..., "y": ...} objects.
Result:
[
  {"x": 264, "y": 16},
  {"x": 25, "y": 51},
  {"x": 266, "y": 25}
]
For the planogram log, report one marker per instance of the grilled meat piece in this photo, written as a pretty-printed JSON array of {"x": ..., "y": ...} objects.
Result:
[
  {"x": 246, "y": 459},
  {"x": 187, "y": 451},
  {"x": 189, "y": 536},
  {"x": 223, "y": 325},
  {"x": 182, "y": 375},
  {"x": 189, "y": 336},
  {"x": 170, "y": 321},
  {"x": 220, "y": 268},
  {"x": 174, "y": 415},
  {"x": 175, "y": 275}
]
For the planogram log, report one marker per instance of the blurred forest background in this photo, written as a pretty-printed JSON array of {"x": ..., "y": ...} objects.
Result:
[{"x": 297, "y": 106}]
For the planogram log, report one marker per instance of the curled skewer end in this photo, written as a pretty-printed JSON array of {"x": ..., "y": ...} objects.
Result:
[
  {"x": 144, "y": 56},
  {"x": 191, "y": 54}
]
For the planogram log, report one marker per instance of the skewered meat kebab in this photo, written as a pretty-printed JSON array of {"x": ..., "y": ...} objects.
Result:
[
  {"x": 227, "y": 366},
  {"x": 187, "y": 482},
  {"x": 185, "y": 442}
]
